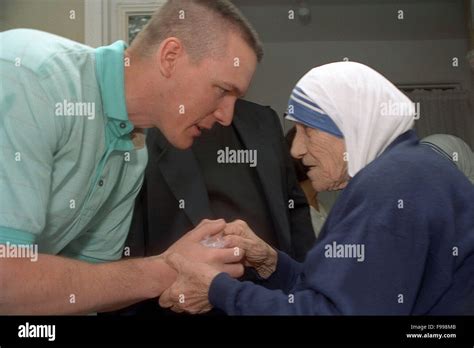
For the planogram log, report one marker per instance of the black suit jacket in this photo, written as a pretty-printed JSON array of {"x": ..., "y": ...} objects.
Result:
[{"x": 174, "y": 174}]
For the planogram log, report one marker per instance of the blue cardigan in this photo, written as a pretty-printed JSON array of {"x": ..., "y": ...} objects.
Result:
[{"x": 398, "y": 241}]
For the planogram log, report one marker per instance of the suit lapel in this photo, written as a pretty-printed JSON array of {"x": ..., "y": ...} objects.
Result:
[{"x": 183, "y": 176}]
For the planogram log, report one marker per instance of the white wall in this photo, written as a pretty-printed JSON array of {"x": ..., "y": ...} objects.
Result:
[{"x": 52, "y": 16}]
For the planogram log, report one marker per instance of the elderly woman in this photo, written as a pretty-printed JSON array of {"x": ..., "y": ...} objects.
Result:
[{"x": 399, "y": 239}]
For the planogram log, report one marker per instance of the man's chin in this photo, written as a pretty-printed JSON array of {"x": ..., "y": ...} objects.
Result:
[{"x": 182, "y": 144}]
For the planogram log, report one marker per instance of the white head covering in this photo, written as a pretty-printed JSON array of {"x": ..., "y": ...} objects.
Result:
[
  {"x": 356, "y": 101},
  {"x": 455, "y": 149}
]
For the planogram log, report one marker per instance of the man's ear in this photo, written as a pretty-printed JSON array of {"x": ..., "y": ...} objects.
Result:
[{"x": 169, "y": 52}]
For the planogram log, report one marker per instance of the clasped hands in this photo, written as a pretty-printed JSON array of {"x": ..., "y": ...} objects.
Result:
[{"x": 197, "y": 265}]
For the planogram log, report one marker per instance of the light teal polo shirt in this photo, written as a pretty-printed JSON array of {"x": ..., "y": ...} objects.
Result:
[{"x": 69, "y": 172}]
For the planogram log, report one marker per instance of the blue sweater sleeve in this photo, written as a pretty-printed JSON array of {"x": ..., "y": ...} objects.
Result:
[
  {"x": 246, "y": 298},
  {"x": 224, "y": 288},
  {"x": 285, "y": 275}
]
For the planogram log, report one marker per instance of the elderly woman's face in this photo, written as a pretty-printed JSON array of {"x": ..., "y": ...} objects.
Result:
[{"x": 323, "y": 153}]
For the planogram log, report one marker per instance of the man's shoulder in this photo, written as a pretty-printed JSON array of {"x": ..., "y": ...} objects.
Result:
[
  {"x": 32, "y": 49},
  {"x": 252, "y": 112},
  {"x": 248, "y": 106}
]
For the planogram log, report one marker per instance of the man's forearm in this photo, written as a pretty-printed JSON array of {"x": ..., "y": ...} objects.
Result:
[{"x": 57, "y": 285}]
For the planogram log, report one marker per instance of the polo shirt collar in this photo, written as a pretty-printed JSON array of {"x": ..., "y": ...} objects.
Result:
[{"x": 110, "y": 76}]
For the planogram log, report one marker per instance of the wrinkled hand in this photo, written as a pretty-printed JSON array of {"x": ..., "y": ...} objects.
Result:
[
  {"x": 189, "y": 293},
  {"x": 226, "y": 260},
  {"x": 258, "y": 254}
]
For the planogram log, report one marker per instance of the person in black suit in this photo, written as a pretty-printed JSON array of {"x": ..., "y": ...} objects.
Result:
[{"x": 184, "y": 187}]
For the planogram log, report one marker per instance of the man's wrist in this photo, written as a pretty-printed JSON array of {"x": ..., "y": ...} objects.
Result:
[{"x": 158, "y": 276}]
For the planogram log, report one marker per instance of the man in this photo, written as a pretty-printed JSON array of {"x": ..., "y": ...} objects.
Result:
[
  {"x": 258, "y": 185},
  {"x": 73, "y": 158}
]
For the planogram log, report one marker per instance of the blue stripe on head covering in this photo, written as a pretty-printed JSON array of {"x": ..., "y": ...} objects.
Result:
[
  {"x": 307, "y": 112},
  {"x": 298, "y": 93}
]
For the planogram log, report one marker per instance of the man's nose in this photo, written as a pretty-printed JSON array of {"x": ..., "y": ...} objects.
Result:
[
  {"x": 225, "y": 113},
  {"x": 298, "y": 148}
]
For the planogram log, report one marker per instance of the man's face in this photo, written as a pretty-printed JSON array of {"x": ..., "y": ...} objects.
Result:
[
  {"x": 323, "y": 154},
  {"x": 201, "y": 94}
]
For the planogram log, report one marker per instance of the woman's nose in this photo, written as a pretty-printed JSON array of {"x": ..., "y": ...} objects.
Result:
[{"x": 298, "y": 148}]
